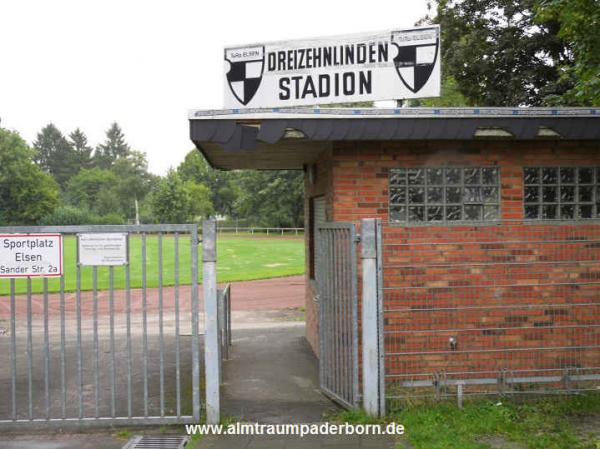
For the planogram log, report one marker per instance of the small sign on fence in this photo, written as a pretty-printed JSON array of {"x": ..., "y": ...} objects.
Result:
[
  {"x": 102, "y": 249},
  {"x": 31, "y": 255}
]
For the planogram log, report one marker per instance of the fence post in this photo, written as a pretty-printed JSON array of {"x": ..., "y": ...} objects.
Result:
[
  {"x": 225, "y": 330},
  {"x": 195, "y": 330},
  {"x": 220, "y": 330},
  {"x": 459, "y": 394},
  {"x": 211, "y": 343},
  {"x": 229, "y": 338},
  {"x": 372, "y": 311}
]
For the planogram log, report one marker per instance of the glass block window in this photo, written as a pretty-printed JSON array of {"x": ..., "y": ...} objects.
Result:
[
  {"x": 561, "y": 193},
  {"x": 444, "y": 194}
]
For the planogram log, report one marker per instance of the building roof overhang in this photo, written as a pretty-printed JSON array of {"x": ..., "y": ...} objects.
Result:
[{"x": 291, "y": 138}]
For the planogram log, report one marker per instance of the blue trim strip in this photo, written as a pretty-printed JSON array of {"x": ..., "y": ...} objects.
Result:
[{"x": 407, "y": 112}]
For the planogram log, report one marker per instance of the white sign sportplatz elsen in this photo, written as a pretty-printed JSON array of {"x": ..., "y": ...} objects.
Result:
[
  {"x": 31, "y": 255},
  {"x": 389, "y": 65},
  {"x": 102, "y": 249}
]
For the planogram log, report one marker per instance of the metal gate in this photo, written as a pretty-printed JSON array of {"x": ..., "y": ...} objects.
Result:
[
  {"x": 104, "y": 345},
  {"x": 338, "y": 314}
]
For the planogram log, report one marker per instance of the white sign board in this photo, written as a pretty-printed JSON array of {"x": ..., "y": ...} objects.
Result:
[
  {"x": 31, "y": 255},
  {"x": 389, "y": 65},
  {"x": 102, "y": 249}
]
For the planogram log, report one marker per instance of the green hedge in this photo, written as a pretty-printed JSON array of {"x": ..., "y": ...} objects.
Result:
[{"x": 72, "y": 216}]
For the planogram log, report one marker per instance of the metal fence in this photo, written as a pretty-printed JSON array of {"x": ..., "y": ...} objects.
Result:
[
  {"x": 258, "y": 231},
  {"x": 224, "y": 305},
  {"x": 510, "y": 308},
  {"x": 338, "y": 312},
  {"x": 104, "y": 345}
]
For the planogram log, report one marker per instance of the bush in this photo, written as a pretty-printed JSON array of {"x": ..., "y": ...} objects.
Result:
[
  {"x": 73, "y": 216},
  {"x": 242, "y": 223},
  {"x": 111, "y": 218},
  {"x": 67, "y": 215}
]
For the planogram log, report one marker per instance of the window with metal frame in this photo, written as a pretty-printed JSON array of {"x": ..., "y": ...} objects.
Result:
[
  {"x": 561, "y": 193},
  {"x": 444, "y": 195}
]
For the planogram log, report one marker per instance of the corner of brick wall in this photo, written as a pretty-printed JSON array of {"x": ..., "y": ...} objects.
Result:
[{"x": 322, "y": 186}]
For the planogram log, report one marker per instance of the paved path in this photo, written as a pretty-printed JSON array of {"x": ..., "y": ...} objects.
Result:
[
  {"x": 311, "y": 442},
  {"x": 264, "y": 294},
  {"x": 62, "y": 441},
  {"x": 272, "y": 378}
]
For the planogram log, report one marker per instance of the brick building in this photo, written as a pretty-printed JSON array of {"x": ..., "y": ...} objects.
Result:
[{"x": 490, "y": 245}]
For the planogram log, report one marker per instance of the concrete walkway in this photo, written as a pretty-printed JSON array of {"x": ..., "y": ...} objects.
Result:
[
  {"x": 311, "y": 442},
  {"x": 62, "y": 441},
  {"x": 272, "y": 378}
]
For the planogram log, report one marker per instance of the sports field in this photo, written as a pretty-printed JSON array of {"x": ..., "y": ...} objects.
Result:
[{"x": 240, "y": 258}]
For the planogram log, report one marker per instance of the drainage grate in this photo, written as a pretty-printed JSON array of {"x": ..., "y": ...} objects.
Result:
[{"x": 151, "y": 442}]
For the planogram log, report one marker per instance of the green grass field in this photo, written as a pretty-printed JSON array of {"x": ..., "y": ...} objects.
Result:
[
  {"x": 239, "y": 259},
  {"x": 560, "y": 422}
]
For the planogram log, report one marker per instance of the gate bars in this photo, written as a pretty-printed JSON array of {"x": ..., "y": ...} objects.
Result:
[
  {"x": 224, "y": 305},
  {"x": 338, "y": 314},
  {"x": 72, "y": 368}
]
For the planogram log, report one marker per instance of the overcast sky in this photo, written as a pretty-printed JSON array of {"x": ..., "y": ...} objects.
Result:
[{"x": 145, "y": 63}]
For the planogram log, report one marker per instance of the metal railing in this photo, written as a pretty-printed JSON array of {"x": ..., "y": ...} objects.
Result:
[
  {"x": 338, "y": 312},
  {"x": 257, "y": 230},
  {"x": 224, "y": 298},
  {"x": 108, "y": 353},
  {"x": 507, "y": 308}
]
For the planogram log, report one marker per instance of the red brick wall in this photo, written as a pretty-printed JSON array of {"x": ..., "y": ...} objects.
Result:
[{"x": 359, "y": 176}]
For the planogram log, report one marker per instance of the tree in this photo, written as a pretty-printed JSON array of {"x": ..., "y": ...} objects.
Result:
[
  {"x": 170, "y": 201},
  {"x": 222, "y": 184},
  {"x": 83, "y": 150},
  {"x": 450, "y": 96},
  {"x": 55, "y": 154},
  {"x": 271, "y": 198},
  {"x": 195, "y": 168},
  {"x": 26, "y": 192},
  {"x": 134, "y": 181},
  {"x": 113, "y": 147},
  {"x": 579, "y": 21},
  {"x": 86, "y": 190},
  {"x": 119, "y": 179},
  {"x": 107, "y": 203},
  {"x": 501, "y": 54},
  {"x": 201, "y": 206}
]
